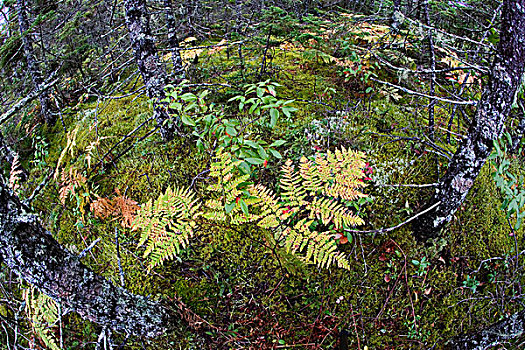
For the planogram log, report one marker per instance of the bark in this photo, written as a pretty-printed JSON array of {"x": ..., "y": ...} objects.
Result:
[
  {"x": 493, "y": 108},
  {"x": 173, "y": 42},
  {"x": 6, "y": 153},
  {"x": 520, "y": 134},
  {"x": 152, "y": 70},
  {"x": 32, "y": 253},
  {"x": 497, "y": 334},
  {"x": 397, "y": 16},
  {"x": 520, "y": 131},
  {"x": 23, "y": 102},
  {"x": 432, "y": 104},
  {"x": 32, "y": 65}
]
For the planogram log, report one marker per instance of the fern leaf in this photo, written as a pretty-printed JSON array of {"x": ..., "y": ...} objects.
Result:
[
  {"x": 167, "y": 224},
  {"x": 43, "y": 313},
  {"x": 14, "y": 174}
]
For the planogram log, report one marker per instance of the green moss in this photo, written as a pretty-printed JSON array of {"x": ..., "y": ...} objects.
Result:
[{"x": 235, "y": 277}]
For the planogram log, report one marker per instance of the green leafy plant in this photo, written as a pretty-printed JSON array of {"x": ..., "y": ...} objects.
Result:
[
  {"x": 511, "y": 186},
  {"x": 260, "y": 100},
  {"x": 422, "y": 266},
  {"x": 471, "y": 283},
  {"x": 208, "y": 124},
  {"x": 40, "y": 152}
]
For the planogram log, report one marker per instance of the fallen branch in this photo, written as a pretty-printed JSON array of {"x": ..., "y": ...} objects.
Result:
[
  {"x": 412, "y": 92},
  {"x": 21, "y": 104},
  {"x": 383, "y": 230}
]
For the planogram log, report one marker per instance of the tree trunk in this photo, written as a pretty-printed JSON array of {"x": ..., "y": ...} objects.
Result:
[
  {"x": 39, "y": 259},
  {"x": 152, "y": 70},
  {"x": 173, "y": 42},
  {"x": 32, "y": 64},
  {"x": 497, "y": 334},
  {"x": 493, "y": 108}
]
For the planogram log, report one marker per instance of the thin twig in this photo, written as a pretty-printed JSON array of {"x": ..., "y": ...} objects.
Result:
[
  {"x": 120, "y": 141},
  {"x": 418, "y": 23},
  {"x": 121, "y": 271},
  {"x": 390, "y": 293},
  {"x": 405, "y": 268},
  {"x": 206, "y": 46},
  {"x": 412, "y": 92},
  {"x": 198, "y": 176},
  {"x": 20, "y": 104},
  {"x": 85, "y": 251},
  {"x": 37, "y": 190},
  {"x": 383, "y": 230},
  {"x": 355, "y": 327},
  {"x": 408, "y": 185}
]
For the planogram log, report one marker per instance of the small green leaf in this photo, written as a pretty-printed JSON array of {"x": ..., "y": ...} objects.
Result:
[
  {"x": 229, "y": 207},
  {"x": 176, "y": 106},
  {"x": 244, "y": 207},
  {"x": 288, "y": 110},
  {"x": 244, "y": 167},
  {"x": 251, "y": 143},
  {"x": 231, "y": 131},
  {"x": 187, "y": 120},
  {"x": 262, "y": 153},
  {"x": 253, "y": 108},
  {"x": 277, "y": 143},
  {"x": 274, "y": 115},
  {"x": 255, "y": 161},
  {"x": 275, "y": 153},
  {"x": 188, "y": 97}
]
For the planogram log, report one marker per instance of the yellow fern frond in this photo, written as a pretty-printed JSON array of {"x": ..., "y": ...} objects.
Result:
[
  {"x": 293, "y": 193},
  {"x": 167, "y": 224},
  {"x": 43, "y": 313},
  {"x": 14, "y": 174},
  {"x": 312, "y": 196}
]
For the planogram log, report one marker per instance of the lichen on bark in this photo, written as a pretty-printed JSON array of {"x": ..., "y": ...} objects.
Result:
[
  {"x": 497, "y": 98},
  {"x": 32, "y": 253}
]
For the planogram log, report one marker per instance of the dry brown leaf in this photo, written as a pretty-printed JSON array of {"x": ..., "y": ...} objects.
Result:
[
  {"x": 219, "y": 48},
  {"x": 119, "y": 207}
]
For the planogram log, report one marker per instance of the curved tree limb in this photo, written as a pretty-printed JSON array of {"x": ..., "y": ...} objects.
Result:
[{"x": 32, "y": 253}]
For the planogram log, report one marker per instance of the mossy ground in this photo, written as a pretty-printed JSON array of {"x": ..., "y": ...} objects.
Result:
[{"x": 233, "y": 277}]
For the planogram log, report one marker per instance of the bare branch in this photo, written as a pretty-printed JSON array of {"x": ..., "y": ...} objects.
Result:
[{"x": 412, "y": 92}]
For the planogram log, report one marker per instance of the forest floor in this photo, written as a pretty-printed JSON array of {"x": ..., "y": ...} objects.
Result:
[{"x": 397, "y": 293}]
